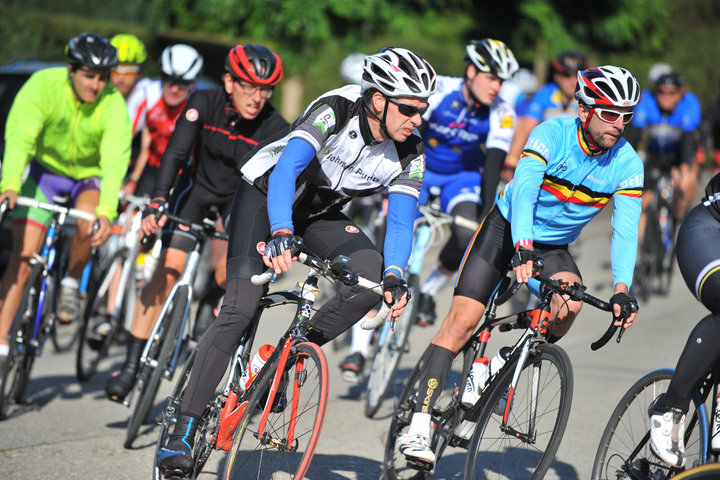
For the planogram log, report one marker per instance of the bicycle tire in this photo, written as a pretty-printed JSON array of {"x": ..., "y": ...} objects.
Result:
[
  {"x": 628, "y": 425},
  {"x": 89, "y": 356},
  {"x": 649, "y": 259},
  {"x": 150, "y": 377},
  {"x": 387, "y": 358},
  {"x": 494, "y": 454},
  {"x": 267, "y": 461},
  {"x": 63, "y": 336},
  {"x": 709, "y": 471},
  {"x": 170, "y": 410},
  {"x": 18, "y": 363}
]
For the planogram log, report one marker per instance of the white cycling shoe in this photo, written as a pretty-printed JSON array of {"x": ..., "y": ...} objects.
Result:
[
  {"x": 667, "y": 431},
  {"x": 416, "y": 446}
]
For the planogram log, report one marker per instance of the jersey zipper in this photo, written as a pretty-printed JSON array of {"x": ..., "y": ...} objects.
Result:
[
  {"x": 73, "y": 143},
  {"x": 345, "y": 169}
]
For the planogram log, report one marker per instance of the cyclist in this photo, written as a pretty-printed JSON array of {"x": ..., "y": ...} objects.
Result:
[
  {"x": 127, "y": 76},
  {"x": 468, "y": 128},
  {"x": 698, "y": 255},
  {"x": 218, "y": 126},
  {"x": 569, "y": 170},
  {"x": 85, "y": 161},
  {"x": 668, "y": 120},
  {"x": 518, "y": 91},
  {"x": 352, "y": 141},
  {"x": 553, "y": 100},
  {"x": 159, "y": 104}
]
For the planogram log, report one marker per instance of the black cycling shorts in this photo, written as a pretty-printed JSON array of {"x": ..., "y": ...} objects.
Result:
[
  {"x": 192, "y": 203},
  {"x": 487, "y": 259},
  {"x": 698, "y": 255}
]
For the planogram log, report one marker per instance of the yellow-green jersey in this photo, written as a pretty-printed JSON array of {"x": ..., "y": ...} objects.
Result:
[{"x": 68, "y": 137}]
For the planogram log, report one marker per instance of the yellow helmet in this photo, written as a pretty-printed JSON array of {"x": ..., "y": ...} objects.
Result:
[{"x": 130, "y": 48}]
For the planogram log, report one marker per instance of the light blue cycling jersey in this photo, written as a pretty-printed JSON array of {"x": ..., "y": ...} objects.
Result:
[
  {"x": 546, "y": 103},
  {"x": 559, "y": 186}
]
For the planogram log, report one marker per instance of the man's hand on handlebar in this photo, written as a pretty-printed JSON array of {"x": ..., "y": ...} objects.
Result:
[
  {"x": 624, "y": 306},
  {"x": 278, "y": 251},
  {"x": 101, "y": 235},
  {"x": 395, "y": 294},
  {"x": 11, "y": 196},
  {"x": 153, "y": 218},
  {"x": 522, "y": 263}
]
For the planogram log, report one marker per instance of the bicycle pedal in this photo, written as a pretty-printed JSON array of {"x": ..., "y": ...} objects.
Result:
[
  {"x": 175, "y": 475},
  {"x": 418, "y": 464}
]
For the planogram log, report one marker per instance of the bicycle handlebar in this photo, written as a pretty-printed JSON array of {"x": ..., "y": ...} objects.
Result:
[{"x": 332, "y": 269}]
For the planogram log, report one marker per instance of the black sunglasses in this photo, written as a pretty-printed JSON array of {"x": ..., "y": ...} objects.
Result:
[
  {"x": 167, "y": 79},
  {"x": 409, "y": 110}
]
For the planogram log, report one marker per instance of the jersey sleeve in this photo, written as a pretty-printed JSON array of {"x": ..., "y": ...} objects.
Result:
[
  {"x": 179, "y": 148},
  {"x": 409, "y": 181},
  {"x": 538, "y": 104},
  {"x": 24, "y": 123},
  {"x": 316, "y": 125},
  {"x": 502, "y": 126},
  {"x": 625, "y": 218},
  {"x": 529, "y": 174},
  {"x": 114, "y": 152}
]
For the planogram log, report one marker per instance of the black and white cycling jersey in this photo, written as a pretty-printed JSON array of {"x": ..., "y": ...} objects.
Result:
[{"x": 348, "y": 162}]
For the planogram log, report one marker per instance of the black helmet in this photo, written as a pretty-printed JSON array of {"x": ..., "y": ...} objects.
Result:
[
  {"x": 670, "y": 79},
  {"x": 569, "y": 62},
  {"x": 91, "y": 50}
]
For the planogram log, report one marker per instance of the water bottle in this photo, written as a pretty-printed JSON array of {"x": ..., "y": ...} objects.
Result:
[
  {"x": 499, "y": 360},
  {"x": 715, "y": 439},
  {"x": 256, "y": 364},
  {"x": 475, "y": 382}
]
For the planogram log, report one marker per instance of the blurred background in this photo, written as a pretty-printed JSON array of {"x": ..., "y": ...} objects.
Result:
[{"x": 312, "y": 37}]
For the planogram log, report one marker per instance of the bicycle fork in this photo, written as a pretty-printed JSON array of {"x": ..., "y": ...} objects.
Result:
[{"x": 530, "y": 436}]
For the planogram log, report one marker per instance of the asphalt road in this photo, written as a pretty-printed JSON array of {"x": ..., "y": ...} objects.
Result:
[{"x": 66, "y": 430}]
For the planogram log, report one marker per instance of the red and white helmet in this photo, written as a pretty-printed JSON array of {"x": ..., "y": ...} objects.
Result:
[
  {"x": 607, "y": 85},
  {"x": 398, "y": 72}
]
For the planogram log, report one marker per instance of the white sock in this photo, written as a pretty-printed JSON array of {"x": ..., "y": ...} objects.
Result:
[
  {"x": 361, "y": 338},
  {"x": 70, "y": 282},
  {"x": 435, "y": 282},
  {"x": 4, "y": 349},
  {"x": 420, "y": 424}
]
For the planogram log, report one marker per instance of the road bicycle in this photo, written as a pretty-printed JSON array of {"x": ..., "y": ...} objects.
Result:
[
  {"x": 272, "y": 428},
  {"x": 515, "y": 428},
  {"x": 112, "y": 291},
  {"x": 392, "y": 339},
  {"x": 624, "y": 451},
  {"x": 35, "y": 319},
  {"x": 167, "y": 346},
  {"x": 656, "y": 255}
]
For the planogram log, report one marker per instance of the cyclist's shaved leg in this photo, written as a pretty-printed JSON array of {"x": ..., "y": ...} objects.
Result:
[
  {"x": 153, "y": 295},
  {"x": 27, "y": 238},
  {"x": 464, "y": 315},
  {"x": 565, "y": 309},
  {"x": 86, "y": 201}
]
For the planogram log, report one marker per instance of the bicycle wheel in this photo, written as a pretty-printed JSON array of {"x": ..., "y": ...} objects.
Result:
[
  {"x": 536, "y": 420},
  {"x": 711, "y": 471},
  {"x": 387, "y": 356},
  {"x": 93, "y": 345},
  {"x": 161, "y": 349},
  {"x": 63, "y": 336},
  {"x": 16, "y": 371},
  {"x": 624, "y": 450},
  {"x": 292, "y": 431}
]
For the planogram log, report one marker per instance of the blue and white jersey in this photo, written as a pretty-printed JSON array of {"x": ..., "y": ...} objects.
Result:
[
  {"x": 456, "y": 131},
  {"x": 546, "y": 103},
  {"x": 664, "y": 130},
  {"x": 560, "y": 185}
]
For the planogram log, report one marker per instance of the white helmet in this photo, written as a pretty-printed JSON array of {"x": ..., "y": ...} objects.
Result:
[
  {"x": 526, "y": 80},
  {"x": 607, "y": 85},
  {"x": 491, "y": 56},
  {"x": 398, "y": 72},
  {"x": 182, "y": 62},
  {"x": 351, "y": 68},
  {"x": 657, "y": 70}
]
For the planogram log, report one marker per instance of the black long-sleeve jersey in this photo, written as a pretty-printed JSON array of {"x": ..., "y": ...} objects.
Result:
[{"x": 211, "y": 130}]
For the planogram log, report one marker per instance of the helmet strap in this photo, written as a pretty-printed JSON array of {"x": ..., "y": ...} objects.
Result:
[
  {"x": 474, "y": 101},
  {"x": 370, "y": 112},
  {"x": 594, "y": 147}
]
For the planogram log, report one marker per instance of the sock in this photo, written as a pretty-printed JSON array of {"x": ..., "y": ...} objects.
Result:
[
  {"x": 360, "y": 339},
  {"x": 420, "y": 424},
  {"x": 4, "y": 350},
  {"x": 435, "y": 282},
  {"x": 70, "y": 282}
]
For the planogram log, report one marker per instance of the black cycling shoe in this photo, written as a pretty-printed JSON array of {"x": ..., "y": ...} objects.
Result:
[
  {"x": 119, "y": 385},
  {"x": 352, "y": 367},
  {"x": 176, "y": 459},
  {"x": 426, "y": 310}
]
